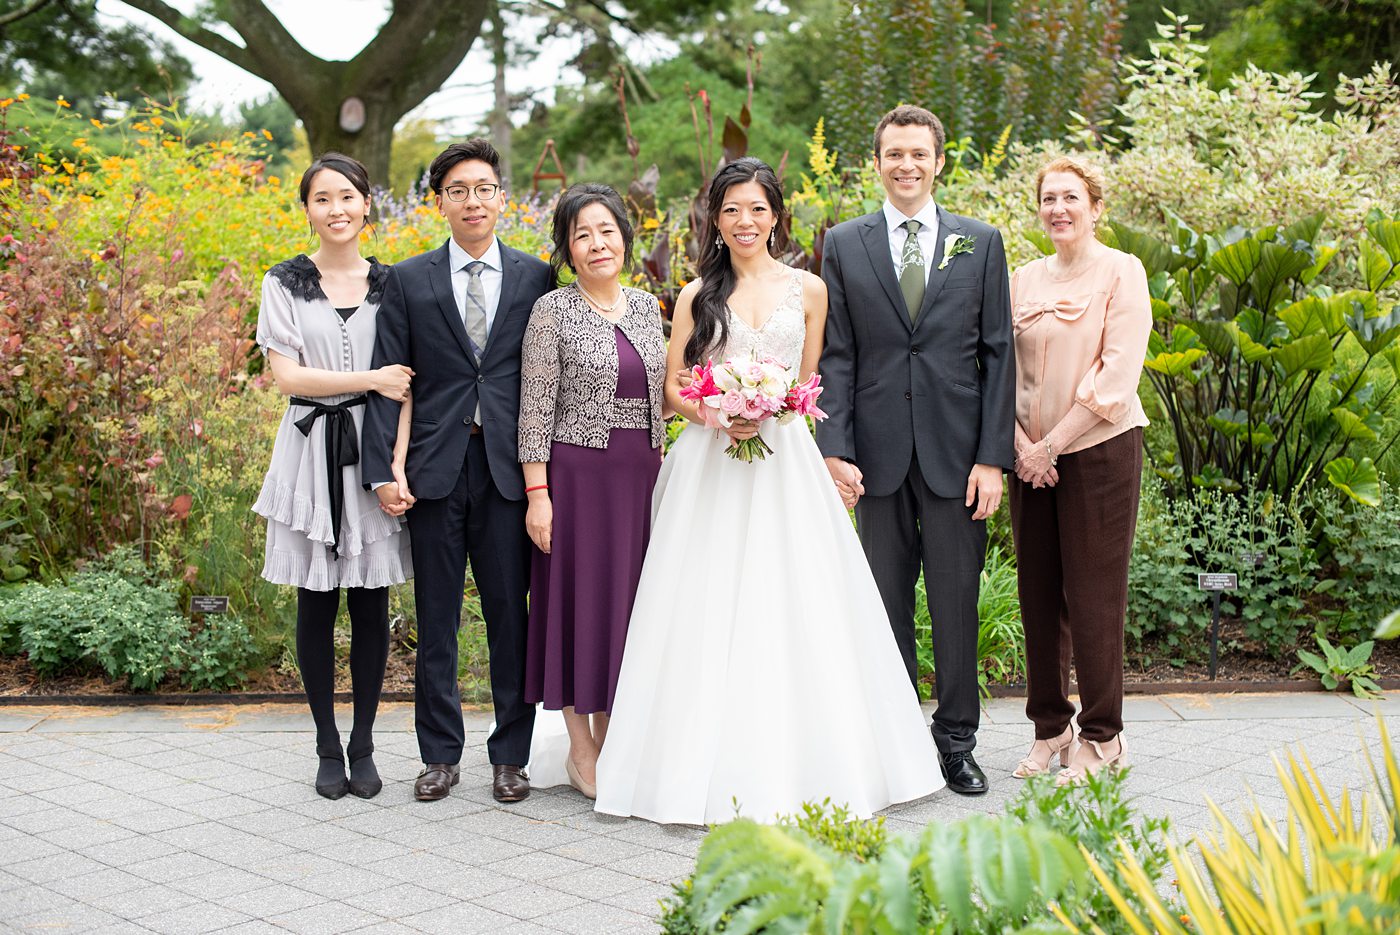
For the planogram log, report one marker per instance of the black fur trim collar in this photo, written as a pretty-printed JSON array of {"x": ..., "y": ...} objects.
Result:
[{"x": 303, "y": 280}]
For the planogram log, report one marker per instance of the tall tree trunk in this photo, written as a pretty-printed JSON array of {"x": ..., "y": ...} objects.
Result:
[
  {"x": 500, "y": 113},
  {"x": 415, "y": 51}
]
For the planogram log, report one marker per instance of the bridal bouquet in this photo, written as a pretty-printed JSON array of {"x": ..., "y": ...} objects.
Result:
[{"x": 756, "y": 389}]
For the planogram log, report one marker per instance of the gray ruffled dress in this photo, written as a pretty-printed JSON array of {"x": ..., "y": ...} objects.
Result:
[{"x": 298, "y": 321}]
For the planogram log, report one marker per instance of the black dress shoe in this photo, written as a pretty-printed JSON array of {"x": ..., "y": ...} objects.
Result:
[
  {"x": 436, "y": 780},
  {"x": 330, "y": 777},
  {"x": 509, "y": 783},
  {"x": 963, "y": 774},
  {"x": 364, "y": 777}
]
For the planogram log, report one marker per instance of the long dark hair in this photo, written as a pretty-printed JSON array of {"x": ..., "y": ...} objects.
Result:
[{"x": 711, "y": 307}]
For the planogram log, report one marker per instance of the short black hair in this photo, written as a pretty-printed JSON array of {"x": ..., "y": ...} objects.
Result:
[
  {"x": 909, "y": 115},
  {"x": 474, "y": 148},
  {"x": 571, "y": 203},
  {"x": 348, "y": 166}
]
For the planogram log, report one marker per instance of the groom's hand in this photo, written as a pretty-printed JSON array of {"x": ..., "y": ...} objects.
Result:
[
  {"x": 848, "y": 479},
  {"x": 984, "y": 489}
]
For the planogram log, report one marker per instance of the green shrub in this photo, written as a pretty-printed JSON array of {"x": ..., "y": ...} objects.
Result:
[
  {"x": 823, "y": 871},
  {"x": 1358, "y": 547},
  {"x": 108, "y": 614},
  {"x": 1263, "y": 540},
  {"x": 217, "y": 654},
  {"x": 1096, "y": 814},
  {"x": 114, "y": 614}
]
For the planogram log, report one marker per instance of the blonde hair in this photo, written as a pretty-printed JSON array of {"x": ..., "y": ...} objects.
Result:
[{"x": 1090, "y": 174}]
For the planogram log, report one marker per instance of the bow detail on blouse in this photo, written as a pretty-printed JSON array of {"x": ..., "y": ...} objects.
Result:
[{"x": 1064, "y": 309}]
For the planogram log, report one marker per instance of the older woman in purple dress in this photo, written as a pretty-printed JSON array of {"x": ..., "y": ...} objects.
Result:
[{"x": 591, "y": 427}]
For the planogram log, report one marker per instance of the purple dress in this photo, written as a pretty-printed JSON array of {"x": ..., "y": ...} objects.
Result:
[{"x": 581, "y": 593}]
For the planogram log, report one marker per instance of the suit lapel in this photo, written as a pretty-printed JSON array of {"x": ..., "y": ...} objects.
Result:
[
  {"x": 877, "y": 246},
  {"x": 947, "y": 224},
  {"x": 510, "y": 282},
  {"x": 441, "y": 277}
]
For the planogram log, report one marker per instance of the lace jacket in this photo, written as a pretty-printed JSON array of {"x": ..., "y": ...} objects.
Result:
[{"x": 568, "y": 373}]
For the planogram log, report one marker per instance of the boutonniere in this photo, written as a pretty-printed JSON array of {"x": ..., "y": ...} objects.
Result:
[{"x": 953, "y": 245}]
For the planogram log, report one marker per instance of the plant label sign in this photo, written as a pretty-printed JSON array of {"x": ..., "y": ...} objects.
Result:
[
  {"x": 1253, "y": 559},
  {"x": 1217, "y": 582},
  {"x": 208, "y": 604}
]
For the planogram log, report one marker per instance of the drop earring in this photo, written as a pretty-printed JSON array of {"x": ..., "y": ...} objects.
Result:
[
  {"x": 773, "y": 237},
  {"x": 719, "y": 241}
]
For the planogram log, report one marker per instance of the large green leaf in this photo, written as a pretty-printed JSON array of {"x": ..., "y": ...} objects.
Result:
[
  {"x": 1237, "y": 261},
  {"x": 1310, "y": 352},
  {"x": 1375, "y": 266},
  {"x": 1322, "y": 256},
  {"x": 1221, "y": 337},
  {"x": 1389, "y": 627},
  {"x": 1305, "y": 229},
  {"x": 1363, "y": 426},
  {"x": 1313, "y": 314},
  {"x": 1278, "y": 265},
  {"x": 1176, "y": 363},
  {"x": 1357, "y": 479},
  {"x": 1386, "y": 233},
  {"x": 1374, "y": 333},
  {"x": 1156, "y": 255}
]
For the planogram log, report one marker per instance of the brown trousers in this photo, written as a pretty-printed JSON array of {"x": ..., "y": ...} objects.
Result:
[{"x": 1073, "y": 542}]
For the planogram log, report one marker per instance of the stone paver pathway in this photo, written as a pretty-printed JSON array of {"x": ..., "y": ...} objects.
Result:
[{"x": 189, "y": 820}]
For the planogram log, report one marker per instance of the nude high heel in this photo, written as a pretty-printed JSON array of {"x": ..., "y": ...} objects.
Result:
[
  {"x": 1063, "y": 745},
  {"x": 589, "y": 790},
  {"x": 1077, "y": 771}
]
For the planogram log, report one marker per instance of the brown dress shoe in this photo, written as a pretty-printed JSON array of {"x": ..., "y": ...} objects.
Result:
[
  {"x": 509, "y": 783},
  {"x": 436, "y": 780}
]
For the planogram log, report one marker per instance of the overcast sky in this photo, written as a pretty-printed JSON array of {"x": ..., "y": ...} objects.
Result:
[{"x": 336, "y": 30}]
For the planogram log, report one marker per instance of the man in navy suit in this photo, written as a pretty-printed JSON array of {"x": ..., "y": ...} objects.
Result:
[
  {"x": 920, "y": 384},
  {"x": 456, "y": 316}
]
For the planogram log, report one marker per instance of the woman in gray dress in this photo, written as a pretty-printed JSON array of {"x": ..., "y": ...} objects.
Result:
[{"x": 324, "y": 530}]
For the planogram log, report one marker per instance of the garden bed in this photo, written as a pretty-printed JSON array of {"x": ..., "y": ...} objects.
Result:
[{"x": 1240, "y": 670}]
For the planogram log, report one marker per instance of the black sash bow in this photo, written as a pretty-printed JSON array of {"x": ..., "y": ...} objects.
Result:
[{"x": 342, "y": 449}]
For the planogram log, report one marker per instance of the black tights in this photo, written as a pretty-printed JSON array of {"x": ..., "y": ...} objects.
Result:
[{"x": 369, "y": 652}]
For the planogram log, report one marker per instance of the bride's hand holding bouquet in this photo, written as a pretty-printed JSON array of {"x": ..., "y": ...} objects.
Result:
[{"x": 737, "y": 396}]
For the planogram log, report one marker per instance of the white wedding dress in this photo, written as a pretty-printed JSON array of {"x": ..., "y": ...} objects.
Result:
[{"x": 760, "y": 671}]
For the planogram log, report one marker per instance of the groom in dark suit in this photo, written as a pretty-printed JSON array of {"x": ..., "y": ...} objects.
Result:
[
  {"x": 920, "y": 390},
  {"x": 456, "y": 316}
]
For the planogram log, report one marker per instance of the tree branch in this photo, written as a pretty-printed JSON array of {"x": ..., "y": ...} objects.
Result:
[
  {"x": 199, "y": 35},
  {"x": 15, "y": 16},
  {"x": 433, "y": 34}
]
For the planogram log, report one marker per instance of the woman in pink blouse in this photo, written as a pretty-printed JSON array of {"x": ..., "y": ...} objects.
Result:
[{"x": 1082, "y": 317}]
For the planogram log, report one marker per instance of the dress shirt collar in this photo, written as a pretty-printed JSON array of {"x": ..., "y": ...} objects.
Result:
[
  {"x": 927, "y": 216},
  {"x": 460, "y": 258}
]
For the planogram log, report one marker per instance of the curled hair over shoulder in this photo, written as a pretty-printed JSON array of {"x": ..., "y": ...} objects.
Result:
[
  {"x": 717, "y": 278},
  {"x": 1092, "y": 176},
  {"x": 908, "y": 115},
  {"x": 566, "y": 212},
  {"x": 474, "y": 148},
  {"x": 348, "y": 166}
]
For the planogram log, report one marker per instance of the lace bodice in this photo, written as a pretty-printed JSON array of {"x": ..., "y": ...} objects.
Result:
[{"x": 781, "y": 336}]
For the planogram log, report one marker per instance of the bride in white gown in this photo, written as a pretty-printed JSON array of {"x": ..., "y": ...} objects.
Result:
[{"x": 760, "y": 670}]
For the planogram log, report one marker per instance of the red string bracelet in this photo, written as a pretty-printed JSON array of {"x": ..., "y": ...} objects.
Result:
[{"x": 537, "y": 487}]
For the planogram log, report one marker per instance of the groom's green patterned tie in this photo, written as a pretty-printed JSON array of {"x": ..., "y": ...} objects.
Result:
[{"x": 911, "y": 270}]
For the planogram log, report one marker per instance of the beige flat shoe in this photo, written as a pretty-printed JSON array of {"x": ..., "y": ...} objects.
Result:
[
  {"x": 1076, "y": 771},
  {"x": 1032, "y": 766}
]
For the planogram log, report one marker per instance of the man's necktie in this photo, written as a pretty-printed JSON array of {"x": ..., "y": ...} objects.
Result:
[
  {"x": 911, "y": 270},
  {"x": 475, "y": 308}
]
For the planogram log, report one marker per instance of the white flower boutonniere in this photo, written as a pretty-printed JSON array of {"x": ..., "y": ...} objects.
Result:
[{"x": 955, "y": 244}]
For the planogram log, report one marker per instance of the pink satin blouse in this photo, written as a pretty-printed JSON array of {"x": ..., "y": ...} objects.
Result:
[{"x": 1081, "y": 339}]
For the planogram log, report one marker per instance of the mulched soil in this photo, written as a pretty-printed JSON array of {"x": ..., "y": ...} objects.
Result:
[{"x": 1239, "y": 662}]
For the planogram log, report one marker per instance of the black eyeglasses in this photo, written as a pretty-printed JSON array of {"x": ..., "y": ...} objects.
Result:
[{"x": 485, "y": 191}]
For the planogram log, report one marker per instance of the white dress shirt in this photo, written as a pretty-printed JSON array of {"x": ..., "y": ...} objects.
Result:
[
  {"x": 490, "y": 278},
  {"x": 928, "y": 235}
]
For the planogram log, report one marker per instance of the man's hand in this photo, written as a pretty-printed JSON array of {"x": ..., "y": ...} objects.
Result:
[
  {"x": 848, "y": 479},
  {"x": 401, "y": 479},
  {"x": 391, "y": 501},
  {"x": 984, "y": 488}
]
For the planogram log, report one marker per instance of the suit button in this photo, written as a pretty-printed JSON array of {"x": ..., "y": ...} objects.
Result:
[
  {"x": 914, "y": 351},
  {"x": 908, "y": 396},
  {"x": 467, "y": 421},
  {"x": 481, "y": 379}
]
